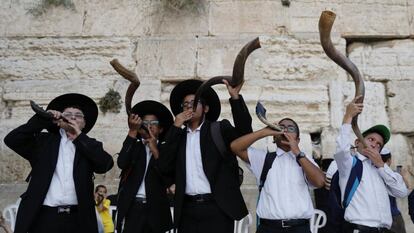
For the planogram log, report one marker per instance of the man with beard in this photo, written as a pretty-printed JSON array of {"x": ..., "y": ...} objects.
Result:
[{"x": 285, "y": 203}]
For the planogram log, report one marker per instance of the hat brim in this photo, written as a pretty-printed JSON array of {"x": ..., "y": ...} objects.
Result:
[
  {"x": 381, "y": 130},
  {"x": 151, "y": 107},
  {"x": 86, "y": 105},
  {"x": 189, "y": 87}
]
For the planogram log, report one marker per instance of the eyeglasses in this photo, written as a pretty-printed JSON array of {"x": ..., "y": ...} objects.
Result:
[
  {"x": 289, "y": 128},
  {"x": 151, "y": 123},
  {"x": 189, "y": 104},
  {"x": 70, "y": 115}
]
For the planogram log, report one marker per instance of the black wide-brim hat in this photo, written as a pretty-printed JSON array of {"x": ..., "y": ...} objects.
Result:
[
  {"x": 190, "y": 86},
  {"x": 158, "y": 109},
  {"x": 86, "y": 105}
]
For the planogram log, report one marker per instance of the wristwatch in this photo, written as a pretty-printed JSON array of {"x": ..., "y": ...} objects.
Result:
[{"x": 299, "y": 156}]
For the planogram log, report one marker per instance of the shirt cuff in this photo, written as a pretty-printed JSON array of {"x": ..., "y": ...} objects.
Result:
[{"x": 385, "y": 171}]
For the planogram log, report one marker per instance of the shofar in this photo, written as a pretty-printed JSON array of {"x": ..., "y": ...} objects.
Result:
[
  {"x": 133, "y": 86},
  {"x": 325, "y": 26}
]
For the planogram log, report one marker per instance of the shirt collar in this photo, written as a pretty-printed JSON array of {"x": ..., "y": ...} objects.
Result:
[
  {"x": 360, "y": 156},
  {"x": 280, "y": 152},
  {"x": 198, "y": 128}
]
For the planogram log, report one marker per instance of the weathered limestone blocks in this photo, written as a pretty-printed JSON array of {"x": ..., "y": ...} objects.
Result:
[
  {"x": 411, "y": 17},
  {"x": 401, "y": 106},
  {"x": 375, "y": 104},
  {"x": 279, "y": 58},
  {"x": 17, "y": 21},
  {"x": 247, "y": 17},
  {"x": 289, "y": 58},
  {"x": 354, "y": 18},
  {"x": 166, "y": 57},
  {"x": 383, "y": 61},
  {"x": 62, "y": 58}
]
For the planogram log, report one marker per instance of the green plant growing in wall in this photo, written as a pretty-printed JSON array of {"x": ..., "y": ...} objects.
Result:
[
  {"x": 181, "y": 5},
  {"x": 111, "y": 102},
  {"x": 44, "y": 5}
]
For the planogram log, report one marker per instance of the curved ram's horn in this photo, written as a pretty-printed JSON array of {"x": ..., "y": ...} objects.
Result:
[
  {"x": 325, "y": 26},
  {"x": 261, "y": 114},
  {"x": 133, "y": 86},
  {"x": 238, "y": 70},
  {"x": 43, "y": 113}
]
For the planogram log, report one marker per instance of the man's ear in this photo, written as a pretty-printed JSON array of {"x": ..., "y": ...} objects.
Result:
[
  {"x": 206, "y": 108},
  {"x": 161, "y": 130}
]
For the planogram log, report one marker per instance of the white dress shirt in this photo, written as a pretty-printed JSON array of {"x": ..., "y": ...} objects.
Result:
[
  {"x": 62, "y": 187},
  {"x": 196, "y": 180},
  {"x": 370, "y": 205},
  {"x": 285, "y": 194},
  {"x": 141, "y": 191}
]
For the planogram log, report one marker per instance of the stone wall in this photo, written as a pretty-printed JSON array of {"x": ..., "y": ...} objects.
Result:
[{"x": 69, "y": 49}]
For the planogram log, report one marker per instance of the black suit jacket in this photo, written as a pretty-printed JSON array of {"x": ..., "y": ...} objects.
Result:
[
  {"x": 221, "y": 172},
  {"x": 132, "y": 160},
  {"x": 41, "y": 149}
]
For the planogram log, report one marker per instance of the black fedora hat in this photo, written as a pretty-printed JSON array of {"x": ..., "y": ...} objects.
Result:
[
  {"x": 154, "y": 108},
  {"x": 86, "y": 104},
  {"x": 190, "y": 86}
]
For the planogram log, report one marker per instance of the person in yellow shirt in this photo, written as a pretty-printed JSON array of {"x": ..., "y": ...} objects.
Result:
[{"x": 102, "y": 206}]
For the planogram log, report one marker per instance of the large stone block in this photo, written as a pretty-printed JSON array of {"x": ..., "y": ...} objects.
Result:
[
  {"x": 401, "y": 106},
  {"x": 216, "y": 56},
  {"x": 289, "y": 58},
  {"x": 166, "y": 57},
  {"x": 44, "y": 91},
  {"x": 375, "y": 107},
  {"x": 366, "y": 18},
  {"x": 328, "y": 143},
  {"x": 400, "y": 150},
  {"x": 17, "y": 19},
  {"x": 304, "y": 16},
  {"x": 247, "y": 17},
  {"x": 119, "y": 18},
  {"x": 279, "y": 58},
  {"x": 308, "y": 104},
  {"x": 383, "y": 61},
  {"x": 62, "y": 58}
]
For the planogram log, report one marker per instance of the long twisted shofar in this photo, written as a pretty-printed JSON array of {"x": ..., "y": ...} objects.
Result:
[
  {"x": 133, "y": 86},
  {"x": 326, "y": 22},
  {"x": 238, "y": 70}
]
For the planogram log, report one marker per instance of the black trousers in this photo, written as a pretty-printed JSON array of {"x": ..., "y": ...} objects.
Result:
[
  {"x": 50, "y": 221},
  {"x": 136, "y": 220},
  {"x": 351, "y": 228},
  {"x": 204, "y": 217},
  {"x": 266, "y": 228}
]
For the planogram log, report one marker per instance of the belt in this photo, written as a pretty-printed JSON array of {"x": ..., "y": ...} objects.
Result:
[
  {"x": 365, "y": 229},
  {"x": 284, "y": 223},
  {"x": 64, "y": 209},
  {"x": 140, "y": 200},
  {"x": 199, "y": 198}
]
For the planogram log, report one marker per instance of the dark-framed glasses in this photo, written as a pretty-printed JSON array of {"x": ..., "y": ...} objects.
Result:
[
  {"x": 188, "y": 104},
  {"x": 151, "y": 123},
  {"x": 289, "y": 128},
  {"x": 69, "y": 115}
]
